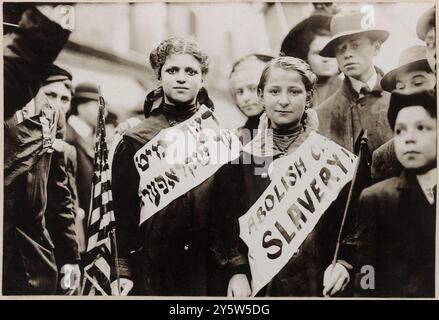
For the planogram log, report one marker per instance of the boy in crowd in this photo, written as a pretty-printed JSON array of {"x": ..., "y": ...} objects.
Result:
[
  {"x": 360, "y": 103},
  {"x": 392, "y": 250},
  {"x": 412, "y": 75}
]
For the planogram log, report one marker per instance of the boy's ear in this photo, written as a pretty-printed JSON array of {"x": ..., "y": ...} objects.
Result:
[{"x": 377, "y": 46}]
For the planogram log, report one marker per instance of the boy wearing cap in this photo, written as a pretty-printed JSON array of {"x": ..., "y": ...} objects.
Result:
[
  {"x": 395, "y": 227},
  {"x": 413, "y": 74},
  {"x": 360, "y": 103}
]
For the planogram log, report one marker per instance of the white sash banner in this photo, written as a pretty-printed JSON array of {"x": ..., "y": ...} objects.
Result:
[
  {"x": 180, "y": 158},
  {"x": 303, "y": 185}
]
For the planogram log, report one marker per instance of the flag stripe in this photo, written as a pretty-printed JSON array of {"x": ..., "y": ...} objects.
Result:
[{"x": 99, "y": 271}]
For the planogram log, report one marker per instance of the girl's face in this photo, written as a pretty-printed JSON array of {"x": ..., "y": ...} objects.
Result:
[
  {"x": 245, "y": 84},
  {"x": 321, "y": 66},
  {"x": 181, "y": 79},
  {"x": 284, "y": 97},
  {"x": 415, "y": 137}
]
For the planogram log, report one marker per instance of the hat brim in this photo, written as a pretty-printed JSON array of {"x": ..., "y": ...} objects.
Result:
[
  {"x": 297, "y": 34},
  {"x": 423, "y": 24},
  {"x": 328, "y": 50},
  {"x": 86, "y": 95},
  {"x": 9, "y": 27},
  {"x": 388, "y": 82}
]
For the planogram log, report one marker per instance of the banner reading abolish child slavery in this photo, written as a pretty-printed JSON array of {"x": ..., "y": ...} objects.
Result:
[
  {"x": 180, "y": 158},
  {"x": 303, "y": 185}
]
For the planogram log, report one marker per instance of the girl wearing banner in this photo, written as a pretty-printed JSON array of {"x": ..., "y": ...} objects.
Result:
[
  {"x": 286, "y": 93},
  {"x": 169, "y": 253}
]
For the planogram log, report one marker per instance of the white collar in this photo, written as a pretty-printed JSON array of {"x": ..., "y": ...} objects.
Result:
[
  {"x": 82, "y": 128},
  {"x": 427, "y": 181},
  {"x": 357, "y": 84}
]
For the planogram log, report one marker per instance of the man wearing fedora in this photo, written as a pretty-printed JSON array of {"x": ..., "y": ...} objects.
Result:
[
  {"x": 426, "y": 31},
  {"x": 81, "y": 126},
  {"x": 412, "y": 75},
  {"x": 360, "y": 103}
]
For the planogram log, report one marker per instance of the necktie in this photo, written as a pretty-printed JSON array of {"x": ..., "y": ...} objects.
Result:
[{"x": 364, "y": 90}]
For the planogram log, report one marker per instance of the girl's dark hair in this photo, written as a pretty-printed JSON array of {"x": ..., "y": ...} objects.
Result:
[
  {"x": 157, "y": 59},
  {"x": 177, "y": 45}
]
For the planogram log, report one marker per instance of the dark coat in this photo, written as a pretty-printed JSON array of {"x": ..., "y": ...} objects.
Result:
[
  {"x": 170, "y": 253},
  {"x": 28, "y": 54},
  {"x": 63, "y": 231},
  {"x": 29, "y": 265},
  {"x": 26, "y": 220},
  {"x": 84, "y": 170},
  {"x": 385, "y": 165},
  {"x": 303, "y": 274},
  {"x": 247, "y": 132},
  {"x": 343, "y": 115},
  {"x": 395, "y": 233},
  {"x": 323, "y": 90}
]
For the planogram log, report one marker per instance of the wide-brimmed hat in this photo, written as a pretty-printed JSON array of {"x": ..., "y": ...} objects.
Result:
[
  {"x": 425, "y": 22},
  {"x": 293, "y": 44},
  {"x": 86, "y": 91},
  {"x": 413, "y": 58},
  {"x": 399, "y": 101},
  {"x": 12, "y": 13},
  {"x": 347, "y": 24}
]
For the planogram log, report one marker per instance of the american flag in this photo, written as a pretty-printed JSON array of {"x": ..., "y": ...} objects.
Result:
[{"x": 101, "y": 255}]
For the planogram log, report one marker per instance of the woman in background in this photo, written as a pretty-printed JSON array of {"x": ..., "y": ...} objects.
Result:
[
  {"x": 244, "y": 79},
  {"x": 305, "y": 41}
]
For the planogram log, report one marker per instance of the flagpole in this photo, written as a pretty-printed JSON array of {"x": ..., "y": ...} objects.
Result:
[
  {"x": 363, "y": 144},
  {"x": 112, "y": 231},
  {"x": 101, "y": 229},
  {"x": 116, "y": 258}
]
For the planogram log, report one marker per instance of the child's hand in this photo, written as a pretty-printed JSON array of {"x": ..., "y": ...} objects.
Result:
[
  {"x": 125, "y": 286},
  {"x": 239, "y": 287},
  {"x": 335, "y": 279}
]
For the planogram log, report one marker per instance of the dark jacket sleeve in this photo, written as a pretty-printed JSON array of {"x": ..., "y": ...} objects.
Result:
[
  {"x": 61, "y": 209},
  {"x": 229, "y": 191},
  {"x": 359, "y": 246},
  {"x": 28, "y": 53},
  {"x": 125, "y": 184}
]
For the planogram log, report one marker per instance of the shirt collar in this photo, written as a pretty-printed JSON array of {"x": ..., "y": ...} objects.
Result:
[
  {"x": 357, "y": 85},
  {"x": 82, "y": 128}
]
